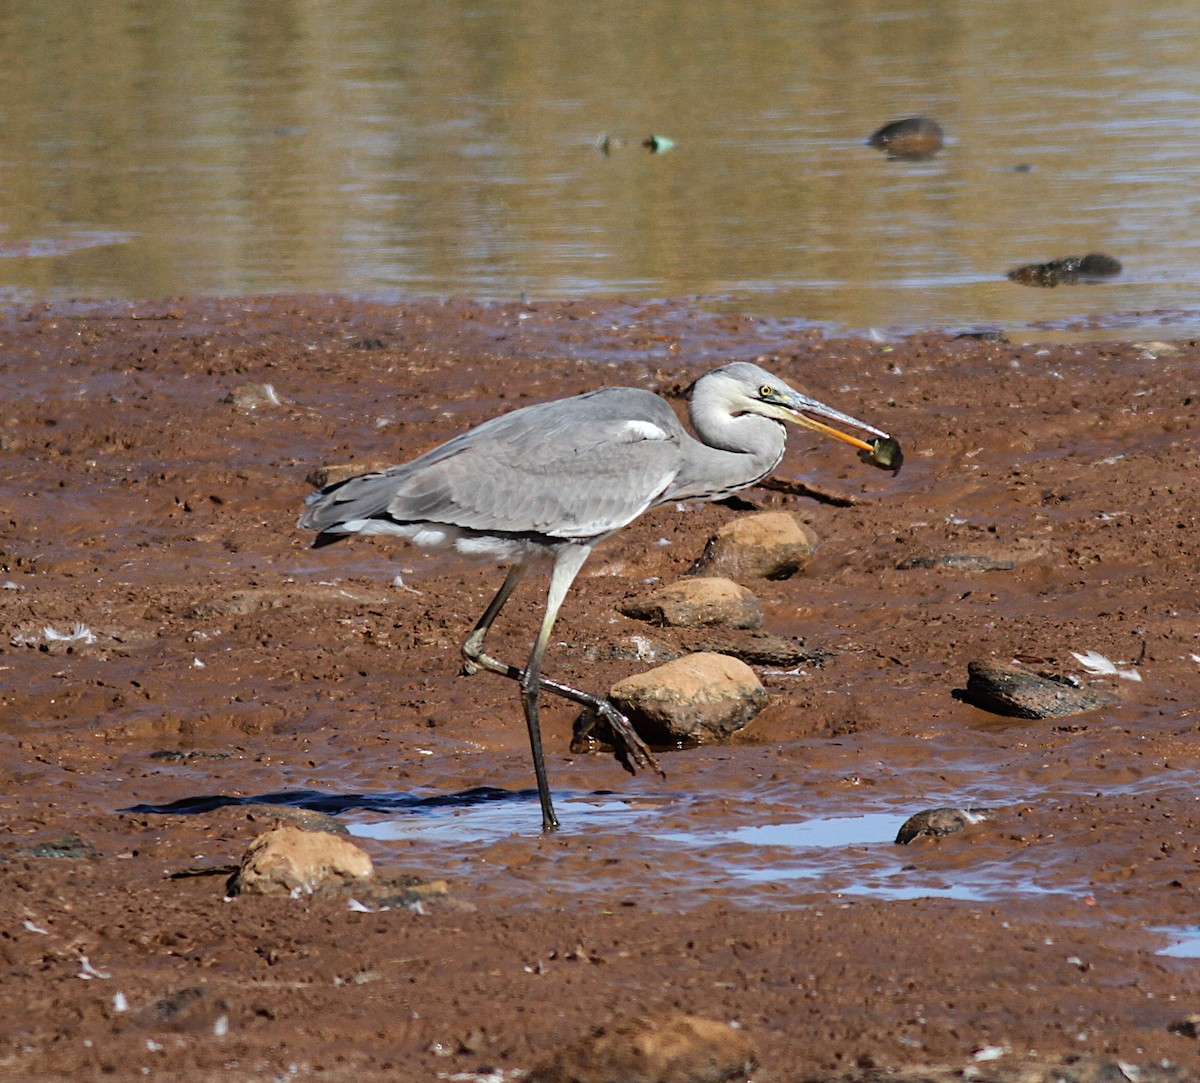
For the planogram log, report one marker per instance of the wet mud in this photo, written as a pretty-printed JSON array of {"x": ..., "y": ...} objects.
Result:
[{"x": 175, "y": 659}]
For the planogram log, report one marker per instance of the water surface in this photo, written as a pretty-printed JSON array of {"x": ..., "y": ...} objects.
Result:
[{"x": 393, "y": 150}]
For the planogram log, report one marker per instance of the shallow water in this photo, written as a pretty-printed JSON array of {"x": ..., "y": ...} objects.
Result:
[{"x": 375, "y": 149}]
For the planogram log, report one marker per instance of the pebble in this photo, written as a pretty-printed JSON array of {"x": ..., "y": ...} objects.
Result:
[
  {"x": 757, "y": 648},
  {"x": 68, "y": 848},
  {"x": 768, "y": 545},
  {"x": 1010, "y": 690},
  {"x": 253, "y": 396},
  {"x": 703, "y": 601},
  {"x": 666, "y": 1049},
  {"x": 331, "y": 474},
  {"x": 912, "y": 139},
  {"x": 958, "y": 562},
  {"x": 698, "y": 699}
]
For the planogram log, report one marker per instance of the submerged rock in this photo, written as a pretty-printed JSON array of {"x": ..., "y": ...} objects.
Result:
[
  {"x": 1067, "y": 271},
  {"x": 768, "y": 545},
  {"x": 704, "y": 601},
  {"x": 1015, "y": 692},
  {"x": 667, "y": 1049},
  {"x": 912, "y": 139},
  {"x": 699, "y": 699}
]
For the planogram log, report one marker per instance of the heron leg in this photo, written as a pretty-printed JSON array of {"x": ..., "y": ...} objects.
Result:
[
  {"x": 632, "y": 751},
  {"x": 567, "y": 562},
  {"x": 472, "y": 649},
  {"x": 475, "y": 657}
]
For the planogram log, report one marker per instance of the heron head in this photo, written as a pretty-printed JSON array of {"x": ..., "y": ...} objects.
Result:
[{"x": 748, "y": 389}]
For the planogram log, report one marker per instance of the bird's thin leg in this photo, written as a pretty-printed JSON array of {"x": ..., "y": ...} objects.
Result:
[
  {"x": 567, "y": 562},
  {"x": 632, "y": 750},
  {"x": 472, "y": 649}
]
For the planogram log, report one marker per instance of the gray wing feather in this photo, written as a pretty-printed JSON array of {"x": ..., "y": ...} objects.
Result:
[{"x": 572, "y": 468}]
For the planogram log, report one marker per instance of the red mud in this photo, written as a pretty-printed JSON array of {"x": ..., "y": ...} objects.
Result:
[{"x": 140, "y": 505}]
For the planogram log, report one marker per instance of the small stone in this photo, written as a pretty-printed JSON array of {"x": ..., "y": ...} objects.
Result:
[
  {"x": 331, "y": 474},
  {"x": 958, "y": 562},
  {"x": 306, "y": 819},
  {"x": 757, "y": 648},
  {"x": 669, "y": 1049},
  {"x": 769, "y": 545},
  {"x": 699, "y": 699},
  {"x": 1188, "y": 1026},
  {"x": 1015, "y": 692},
  {"x": 939, "y": 821},
  {"x": 254, "y": 396},
  {"x": 912, "y": 139},
  {"x": 288, "y": 861},
  {"x": 702, "y": 602},
  {"x": 68, "y": 848}
]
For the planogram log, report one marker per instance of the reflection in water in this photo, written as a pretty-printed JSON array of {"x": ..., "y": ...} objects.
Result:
[{"x": 384, "y": 148}]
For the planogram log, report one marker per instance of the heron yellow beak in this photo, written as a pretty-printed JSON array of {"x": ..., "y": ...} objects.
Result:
[
  {"x": 884, "y": 451},
  {"x": 829, "y": 430}
]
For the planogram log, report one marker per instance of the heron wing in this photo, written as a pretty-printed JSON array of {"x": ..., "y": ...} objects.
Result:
[{"x": 574, "y": 468}]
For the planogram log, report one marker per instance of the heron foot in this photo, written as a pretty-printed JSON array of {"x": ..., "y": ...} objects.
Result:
[{"x": 629, "y": 748}]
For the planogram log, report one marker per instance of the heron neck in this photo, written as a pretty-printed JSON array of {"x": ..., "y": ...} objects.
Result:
[{"x": 735, "y": 453}]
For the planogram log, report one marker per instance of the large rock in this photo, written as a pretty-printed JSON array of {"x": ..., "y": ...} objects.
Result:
[
  {"x": 668, "y": 1049},
  {"x": 768, "y": 545},
  {"x": 710, "y": 601},
  {"x": 699, "y": 699},
  {"x": 291, "y": 861},
  {"x": 1011, "y": 690}
]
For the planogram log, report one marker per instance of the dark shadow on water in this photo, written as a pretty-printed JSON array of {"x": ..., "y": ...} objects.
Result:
[{"x": 333, "y": 803}]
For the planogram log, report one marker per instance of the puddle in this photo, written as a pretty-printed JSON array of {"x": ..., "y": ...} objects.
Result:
[
  {"x": 841, "y": 855},
  {"x": 1185, "y": 941},
  {"x": 494, "y": 821},
  {"x": 876, "y": 827}
]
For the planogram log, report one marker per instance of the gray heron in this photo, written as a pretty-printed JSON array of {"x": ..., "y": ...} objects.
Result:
[{"x": 550, "y": 481}]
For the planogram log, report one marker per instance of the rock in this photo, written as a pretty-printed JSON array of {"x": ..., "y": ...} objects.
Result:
[
  {"x": 1188, "y": 1026},
  {"x": 252, "y": 396},
  {"x": 757, "y": 648},
  {"x": 705, "y": 601},
  {"x": 668, "y": 1049},
  {"x": 332, "y": 474},
  {"x": 1067, "y": 271},
  {"x": 912, "y": 139},
  {"x": 698, "y": 699},
  {"x": 768, "y": 545},
  {"x": 68, "y": 848},
  {"x": 939, "y": 821},
  {"x": 1010, "y": 690},
  {"x": 412, "y": 893},
  {"x": 291, "y": 861},
  {"x": 959, "y": 562},
  {"x": 306, "y": 819}
]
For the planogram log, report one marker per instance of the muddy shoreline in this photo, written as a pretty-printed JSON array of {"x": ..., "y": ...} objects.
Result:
[{"x": 200, "y": 649}]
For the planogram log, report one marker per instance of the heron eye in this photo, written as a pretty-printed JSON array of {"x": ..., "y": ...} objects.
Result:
[{"x": 766, "y": 391}]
